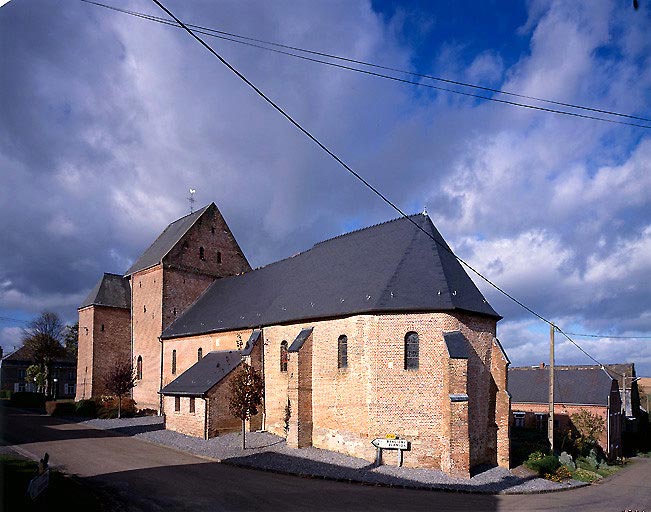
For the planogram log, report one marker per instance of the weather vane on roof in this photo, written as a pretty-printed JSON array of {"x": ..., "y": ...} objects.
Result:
[{"x": 191, "y": 199}]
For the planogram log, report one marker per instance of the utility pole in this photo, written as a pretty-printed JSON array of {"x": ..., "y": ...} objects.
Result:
[{"x": 550, "y": 420}]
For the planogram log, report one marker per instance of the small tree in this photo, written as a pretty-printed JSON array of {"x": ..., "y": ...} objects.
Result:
[
  {"x": 71, "y": 338},
  {"x": 589, "y": 426},
  {"x": 246, "y": 395},
  {"x": 120, "y": 380},
  {"x": 42, "y": 338},
  {"x": 35, "y": 375}
]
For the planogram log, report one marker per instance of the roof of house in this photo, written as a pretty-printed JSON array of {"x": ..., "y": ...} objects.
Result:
[
  {"x": 584, "y": 385},
  {"x": 204, "y": 374},
  {"x": 388, "y": 267},
  {"x": 23, "y": 355},
  {"x": 111, "y": 290},
  {"x": 166, "y": 241}
]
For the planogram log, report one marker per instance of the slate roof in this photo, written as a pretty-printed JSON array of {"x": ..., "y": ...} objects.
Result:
[
  {"x": 23, "y": 355},
  {"x": 300, "y": 339},
  {"x": 166, "y": 241},
  {"x": 584, "y": 385},
  {"x": 111, "y": 290},
  {"x": 456, "y": 344},
  {"x": 253, "y": 339},
  {"x": 390, "y": 267},
  {"x": 204, "y": 374}
]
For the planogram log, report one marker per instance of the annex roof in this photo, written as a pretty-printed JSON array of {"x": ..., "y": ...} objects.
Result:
[
  {"x": 111, "y": 290},
  {"x": 584, "y": 385},
  {"x": 456, "y": 344},
  {"x": 300, "y": 339},
  {"x": 166, "y": 241},
  {"x": 204, "y": 374},
  {"x": 388, "y": 267},
  {"x": 250, "y": 344}
]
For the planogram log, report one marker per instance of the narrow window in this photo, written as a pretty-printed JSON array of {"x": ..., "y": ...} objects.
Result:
[
  {"x": 212, "y": 230},
  {"x": 201, "y": 254},
  {"x": 139, "y": 284},
  {"x": 411, "y": 351},
  {"x": 174, "y": 311},
  {"x": 283, "y": 356},
  {"x": 192, "y": 405},
  {"x": 144, "y": 309},
  {"x": 177, "y": 403},
  {"x": 139, "y": 368},
  {"x": 342, "y": 348},
  {"x": 173, "y": 362},
  {"x": 199, "y": 354},
  {"x": 219, "y": 257},
  {"x": 101, "y": 327}
]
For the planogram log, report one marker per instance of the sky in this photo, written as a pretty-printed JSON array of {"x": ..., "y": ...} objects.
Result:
[{"x": 107, "y": 120}]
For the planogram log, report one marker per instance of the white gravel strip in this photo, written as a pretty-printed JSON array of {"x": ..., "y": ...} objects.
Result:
[{"x": 269, "y": 452}]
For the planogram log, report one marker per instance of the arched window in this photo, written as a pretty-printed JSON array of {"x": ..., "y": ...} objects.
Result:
[
  {"x": 219, "y": 257},
  {"x": 411, "y": 351},
  {"x": 283, "y": 356},
  {"x": 202, "y": 256},
  {"x": 173, "y": 362},
  {"x": 342, "y": 351},
  {"x": 139, "y": 368},
  {"x": 199, "y": 354}
]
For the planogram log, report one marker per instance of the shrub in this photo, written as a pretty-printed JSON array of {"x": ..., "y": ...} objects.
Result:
[
  {"x": 27, "y": 399},
  {"x": 544, "y": 465},
  {"x": 109, "y": 408},
  {"x": 60, "y": 408},
  {"x": 5, "y": 394},
  {"x": 86, "y": 408},
  {"x": 583, "y": 475}
]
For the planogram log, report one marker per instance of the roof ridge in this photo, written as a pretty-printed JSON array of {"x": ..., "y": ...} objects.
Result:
[{"x": 367, "y": 227}]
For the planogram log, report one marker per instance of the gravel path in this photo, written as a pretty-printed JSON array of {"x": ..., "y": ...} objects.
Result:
[{"x": 269, "y": 452}]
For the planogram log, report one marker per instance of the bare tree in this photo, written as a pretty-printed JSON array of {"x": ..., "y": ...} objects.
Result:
[
  {"x": 120, "y": 380},
  {"x": 246, "y": 395},
  {"x": 42, "y": 337}
]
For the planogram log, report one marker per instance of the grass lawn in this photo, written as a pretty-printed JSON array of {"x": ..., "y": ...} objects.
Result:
[{"x": 63, "y": 494}]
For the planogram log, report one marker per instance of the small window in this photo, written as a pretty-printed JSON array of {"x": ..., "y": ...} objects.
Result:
[
  {"x": 177, "y": 403},
  {"x": 342, "y": 351},
  {"x": 174, "y": 311},
  {"x": 518, "y": 419},
  {"x": 411, "y": 351},
  {"x": 86, "y": 330},
  {"x": 219, "y": 257},
  {"x": 199, "y": 354},
  {"x": 139, "y": 284},
  {"x": 192, "y": 405},
  {"x": 139, "y": 368},
  {"x": 71, "y": 375},
  {"x": 101, "y": 327},
  {"x": 144, "y": 309},
  {"x": 202, "y": 256},
  {"x": 21, "y": 373},
  {"x": 173, "y": 362},
  {"x": 212, "y": 230},
  {"x": 283, "y": 356}
]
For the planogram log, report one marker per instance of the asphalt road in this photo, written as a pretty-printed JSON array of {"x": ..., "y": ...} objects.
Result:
[{"x": 140, "y": 476}]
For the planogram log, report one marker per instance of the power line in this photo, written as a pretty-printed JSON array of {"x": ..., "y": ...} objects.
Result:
[
  {"x": 214, "y": 33},
  {"x": 360, "y": 178},
  {"x": 582, "y": 335}
]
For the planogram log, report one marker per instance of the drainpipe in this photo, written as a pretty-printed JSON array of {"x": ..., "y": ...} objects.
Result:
[
  {"x": 160, "y": 394},
  {"x": 205, "y": 418},
  {"x": 264, "y": 383}
]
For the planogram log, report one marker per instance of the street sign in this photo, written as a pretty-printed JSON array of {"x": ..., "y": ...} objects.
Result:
[
  {"x": 391, "y": 444},
  {"x": 391, "y": 436}
]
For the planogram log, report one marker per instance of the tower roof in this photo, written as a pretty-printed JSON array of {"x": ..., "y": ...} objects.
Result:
[
  {"x": 389, "y": 267},
  {"x": 111, "y": 290},
  {"x": 166, "y": 241}
]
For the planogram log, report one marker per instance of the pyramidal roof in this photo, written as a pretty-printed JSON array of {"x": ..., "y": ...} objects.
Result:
[
  {"x": 389, "y": 267},
  {"x": 111, "y": 290},
  {"x": 166, "y": 241}
]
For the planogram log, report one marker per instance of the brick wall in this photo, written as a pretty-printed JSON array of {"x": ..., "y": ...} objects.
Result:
[
  {"x": 184, "y": 421},
  {"x": 146, "y": 321},
  {"x": 85, "y": 354},
  {"x": 220, "y": 420}
]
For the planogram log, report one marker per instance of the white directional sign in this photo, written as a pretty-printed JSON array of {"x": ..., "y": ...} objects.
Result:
[{"x": 391, "y": 444}]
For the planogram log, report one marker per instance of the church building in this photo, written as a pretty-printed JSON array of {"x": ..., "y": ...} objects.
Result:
[{"x": 378, "y": 332}]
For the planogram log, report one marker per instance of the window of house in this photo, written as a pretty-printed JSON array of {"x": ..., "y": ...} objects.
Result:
[
  {"x": 283, "y": 356},
  {"x": 139, "y": 368},
  {"x": 139, "y": 284},
  {"x": 192, "y": 405},
  {"x": 518, "y": 419},
  {"x": 21, "y": 373},
  {"x": 177, "y": 404},
  {"x": 212, "y": 230},
  {"x": 173, "y": 362},
  {"x": 199, "y": 353},
  {"x": 101, "y": 328},
  {"x": 411, "y": 351},
  {"x": 219, "y": 257},
  {"x": 144, "y": 309},
  {"x": 71, "y": 375},
  {"x": 202, "y": 256},
  {"x": 541, "y": 421},
  {"x": 342, "y": 351}
]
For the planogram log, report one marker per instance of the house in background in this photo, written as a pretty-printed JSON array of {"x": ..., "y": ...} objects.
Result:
[
  {"x": 13, "y": 372},
  {"x": 576, "y": 388}
]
